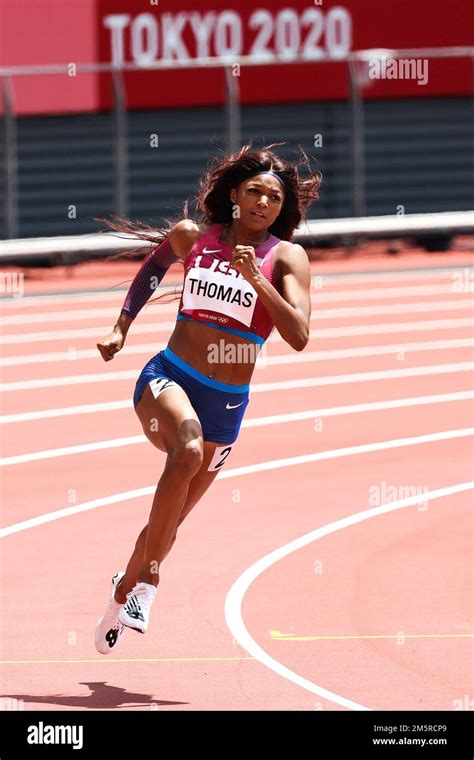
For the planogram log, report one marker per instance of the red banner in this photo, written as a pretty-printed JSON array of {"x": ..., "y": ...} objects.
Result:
[
  {"x": 321, "y": 32},
  {"x": 41, "y": 33}
]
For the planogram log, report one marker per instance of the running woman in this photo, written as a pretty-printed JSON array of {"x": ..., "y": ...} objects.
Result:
[{"x": 242, "y": 278}]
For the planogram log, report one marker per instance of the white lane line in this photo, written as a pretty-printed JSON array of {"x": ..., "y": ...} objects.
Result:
[
  {"x": 112, "y": 406},
  {"x": 66, "y": 411},
  {"x": 76, "y": 315},
  {"x": 310, "y": 382},
  {"x": 371, "y": 406},
  {"x": 408, "y": 307},
  {"x": 306, "y": 356},
  {"x": 57, "y": 382},
  {"x": 73, "y": 355},
  {"x": 318, "y": 295},
  {"x": 457, "y": 287},
  {"x": 274, "y": 419},
  {"x": 389, "y": 327},
  {"x": 98, "y": 332},
  {"x": 458, "y": 277},
  {"x": 401, "y": 275},
  {"x": 363, "y": 377},
  {"x": 273, "y": 464},
  {"x": 81, "y": 448},
  {"x": 52, "y": 299},
  {"x": 235, "y": 595},
  {"x": 76, "y": 509},
  {"x": 402, "y": 308},
  {"x": 394, "y": 349}
]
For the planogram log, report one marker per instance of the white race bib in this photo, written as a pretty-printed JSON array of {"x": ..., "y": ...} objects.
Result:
[
  {"x": 220, "y": 455},
  {"x": 214, "y": 291}
]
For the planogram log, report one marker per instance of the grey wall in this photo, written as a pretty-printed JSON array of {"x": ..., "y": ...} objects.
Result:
[{"x": 419, "y": 154}]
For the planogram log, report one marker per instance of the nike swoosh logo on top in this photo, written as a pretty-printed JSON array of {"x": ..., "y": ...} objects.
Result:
[
  {"x": 204, "y": 250},
  {"x": 234, "y": 406}
]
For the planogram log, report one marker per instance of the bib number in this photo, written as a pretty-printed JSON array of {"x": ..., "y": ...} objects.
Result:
[
  {"x": 219, "y": 459},
  {"x": 207, "y": 290}
]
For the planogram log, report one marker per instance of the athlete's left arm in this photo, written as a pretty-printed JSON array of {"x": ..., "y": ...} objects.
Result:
[{"x": 290, "y": 311}]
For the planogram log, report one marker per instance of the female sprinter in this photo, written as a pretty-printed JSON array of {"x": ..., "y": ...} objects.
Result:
[{"x": 242, "y": 278}]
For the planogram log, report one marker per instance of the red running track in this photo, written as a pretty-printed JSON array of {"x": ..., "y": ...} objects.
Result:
[{"x": 328, "y": 565}]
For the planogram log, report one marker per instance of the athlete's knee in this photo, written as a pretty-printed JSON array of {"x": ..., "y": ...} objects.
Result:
[{"x": 188, "y": 457}]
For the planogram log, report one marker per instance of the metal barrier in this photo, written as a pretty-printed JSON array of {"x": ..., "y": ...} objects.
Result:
[
  {"x": 73, "y": 248},
  {"x": 355, "y": 62}
]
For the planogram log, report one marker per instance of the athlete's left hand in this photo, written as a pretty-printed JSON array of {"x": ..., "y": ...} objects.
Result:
[{"x": 245, "y": 261}]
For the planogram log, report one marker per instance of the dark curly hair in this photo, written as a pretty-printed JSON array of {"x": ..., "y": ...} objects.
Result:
[
  {"x": 213, "y": 199},
  {"x": 228, "y": 173}
]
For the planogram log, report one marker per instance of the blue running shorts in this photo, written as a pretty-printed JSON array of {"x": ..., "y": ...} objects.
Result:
[{"x": 220, "y": 407}]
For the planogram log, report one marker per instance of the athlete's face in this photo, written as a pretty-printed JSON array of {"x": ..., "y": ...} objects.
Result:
[{"x": 259, "y": 199}]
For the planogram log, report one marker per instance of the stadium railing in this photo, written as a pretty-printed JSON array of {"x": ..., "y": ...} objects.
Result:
[
  {"x": 74, "y": 248},
  {"x": 443, "y": 225}
]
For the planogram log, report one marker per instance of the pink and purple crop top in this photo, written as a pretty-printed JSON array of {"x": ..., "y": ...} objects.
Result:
[
  {"x": 218, "y": 295},
  {"x": 214, "y": 293}
]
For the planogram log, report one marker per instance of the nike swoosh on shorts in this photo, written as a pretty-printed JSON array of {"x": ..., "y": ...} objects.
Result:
[{"x": 234, "y": 406}]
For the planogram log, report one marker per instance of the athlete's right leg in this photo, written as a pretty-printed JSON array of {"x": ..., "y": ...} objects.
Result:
[
  {"x": 198, "y": 486},
  {"x": 170, "y": 412},
  {"x": 171, "y": 424}
]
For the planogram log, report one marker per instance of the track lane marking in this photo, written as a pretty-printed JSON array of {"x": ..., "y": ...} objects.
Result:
[
  {"x": 275, "y": 419},
  {"x": 328, "y": 332},
  {"x": 279, "y": 636},
  {"x": 300, "y": 358},
  {"x": 354, "y": 377},
  {"x": 273, "y": 464},
  {"x": 318, "y": 295},
  {"x": 370, "y": 406},
  {"x": 235, "y": 595},
  {"x": 341, "y": 312},
  {"x": 449, "y": 273}
]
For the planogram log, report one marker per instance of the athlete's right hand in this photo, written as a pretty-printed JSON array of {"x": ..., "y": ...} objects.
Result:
[{"x": 111, "y": 345}]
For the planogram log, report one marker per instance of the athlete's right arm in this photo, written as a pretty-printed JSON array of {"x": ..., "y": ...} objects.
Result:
[{"x": 176, "y": 246}]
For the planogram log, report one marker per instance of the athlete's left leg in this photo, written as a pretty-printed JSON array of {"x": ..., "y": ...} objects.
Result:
[{"x": 198, "y": 486}]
